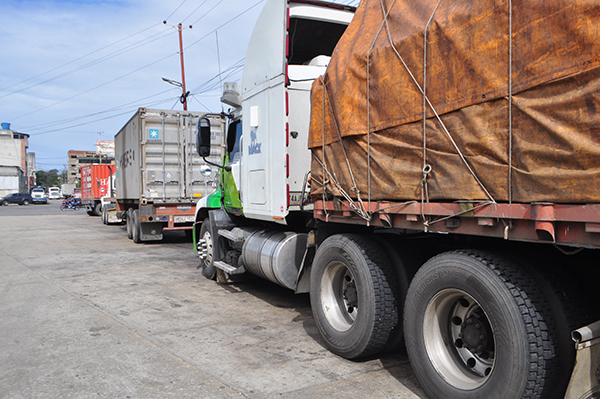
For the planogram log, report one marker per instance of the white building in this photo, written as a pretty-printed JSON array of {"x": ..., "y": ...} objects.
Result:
[{"x": 13, "y": 161}]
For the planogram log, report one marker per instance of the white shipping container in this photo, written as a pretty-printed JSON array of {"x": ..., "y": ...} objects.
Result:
[{"x": 157, "y": 159}]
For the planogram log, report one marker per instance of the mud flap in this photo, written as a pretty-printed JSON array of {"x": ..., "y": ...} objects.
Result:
[
  {"x": 151, "y": 231},
  {"x": 585, "y": 380}
]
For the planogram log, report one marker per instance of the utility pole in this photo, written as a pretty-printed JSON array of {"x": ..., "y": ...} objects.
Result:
[{"x": 185, "y": 93}]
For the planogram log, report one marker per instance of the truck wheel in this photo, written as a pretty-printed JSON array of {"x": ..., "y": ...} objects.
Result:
[
  {"x": 136, "y": 228},
  {"x": 25, "y": 203},
  {"x": 129, "y": 223},
  {"x": 97, "y": 210},
  {"x": 104, "y": 216},
  {"x": 473, "y": 328},
  {"x": 206, "y": 247},
  {"x": 354, "y": 295},
  {"x": 569, "y": 311},
  {"x": 5, "y": 203}
]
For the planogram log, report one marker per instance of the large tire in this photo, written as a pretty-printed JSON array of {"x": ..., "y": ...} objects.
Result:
[
  {"x": 208, "y": 252},
  {"x": 474, "y": 328},
  {"x": 405, "y": 257},
  {"x": 25, "y": 203},
  {"x": 569, "y": 311},
  {"x": 6, "y": 203},
  {"x": 97, "y": 211},
  {"x": 136, "y": 228},
  {"x": 354, "y": 296},
  {"x": 129, "y": 223}
]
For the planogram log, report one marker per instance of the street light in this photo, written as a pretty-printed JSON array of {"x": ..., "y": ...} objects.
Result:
[{"x": 184, "y": 96}]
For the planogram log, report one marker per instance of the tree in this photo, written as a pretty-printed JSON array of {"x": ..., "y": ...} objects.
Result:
[{"x": 48, "y": 179}]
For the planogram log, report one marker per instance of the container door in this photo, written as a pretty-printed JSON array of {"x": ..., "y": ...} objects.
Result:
[{"x": 200, "y": 185}]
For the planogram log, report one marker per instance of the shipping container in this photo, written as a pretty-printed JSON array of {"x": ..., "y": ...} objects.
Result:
[
  {"x": 158, "y": 171},
  {"x": 96, "y": 183}
]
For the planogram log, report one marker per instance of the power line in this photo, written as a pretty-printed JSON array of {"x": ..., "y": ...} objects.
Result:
[
  {"x": 196, "y": 9},
  {"x": 178, "y": 7},
  {"x": 96, "y": 87},
  {"x": 206, "y": 13},
  {"x": 111, "y": 81},
  {"x": 102, "y": 59},
  {"x": 76, "y": 59},
  {"x": 97, "y": 61},
  {"x": 225, "y": 23},
  {"x": 203, "y": 88}
]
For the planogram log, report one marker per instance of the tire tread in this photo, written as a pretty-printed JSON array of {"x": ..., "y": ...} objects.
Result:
[{"x": 530, "y": 301}]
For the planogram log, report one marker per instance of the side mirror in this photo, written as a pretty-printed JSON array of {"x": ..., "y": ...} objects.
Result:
[{"x": 203, "y": 137}]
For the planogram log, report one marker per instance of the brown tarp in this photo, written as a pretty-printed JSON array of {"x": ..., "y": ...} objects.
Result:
[{"x": 547, "y": 148}]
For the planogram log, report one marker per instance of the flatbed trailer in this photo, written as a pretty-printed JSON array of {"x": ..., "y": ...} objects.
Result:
[{"x": 559, "y": 224}]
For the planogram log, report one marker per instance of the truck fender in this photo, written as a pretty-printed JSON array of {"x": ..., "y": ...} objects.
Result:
[
  {"x": 202, "y": 209},
  {"x": 303, "y": 280}
]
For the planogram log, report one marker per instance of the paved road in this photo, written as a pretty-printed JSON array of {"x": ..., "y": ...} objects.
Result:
[{"x": 85, "y": 312}]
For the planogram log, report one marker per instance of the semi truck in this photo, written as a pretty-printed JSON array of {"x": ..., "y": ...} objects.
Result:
[
  {"x": 96, "y": 182},
  {"x": 433, "y": 185},
  {"x": 159, "y": 176}
]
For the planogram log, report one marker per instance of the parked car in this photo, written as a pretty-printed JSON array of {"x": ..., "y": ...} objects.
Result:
[
  {"x": 17, "y": 198},
  {"x": 39, "y": 196}
]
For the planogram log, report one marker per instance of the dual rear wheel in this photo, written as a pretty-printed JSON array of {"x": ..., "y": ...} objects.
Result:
[
  {"x": 475, "y": 323},
  {"x": 133, "y": 225}
]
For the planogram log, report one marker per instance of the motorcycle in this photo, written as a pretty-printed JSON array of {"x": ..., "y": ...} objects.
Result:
[{"x": 71, "y": 203}]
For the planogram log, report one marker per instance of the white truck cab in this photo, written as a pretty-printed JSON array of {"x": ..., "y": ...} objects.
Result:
[{"x": 290, "y": 47}]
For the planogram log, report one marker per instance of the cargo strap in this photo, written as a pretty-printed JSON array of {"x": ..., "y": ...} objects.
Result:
[{"x": 359, "y": 207}]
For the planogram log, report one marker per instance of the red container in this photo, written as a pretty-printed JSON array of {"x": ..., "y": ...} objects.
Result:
[{"x": 96, "y": 181}]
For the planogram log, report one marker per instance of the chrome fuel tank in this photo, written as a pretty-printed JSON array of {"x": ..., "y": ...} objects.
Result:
[{"x": 275, "y": 255}]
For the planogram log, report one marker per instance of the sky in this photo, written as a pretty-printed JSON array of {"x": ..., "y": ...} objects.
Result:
[{"x": 73, "y": 72}]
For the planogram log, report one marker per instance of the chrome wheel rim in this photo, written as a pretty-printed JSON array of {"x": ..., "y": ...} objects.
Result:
[
  {"x": 459, "y": 339},
  {"x": 339, "y": 296},
  {"x": 205, "y": 246}
]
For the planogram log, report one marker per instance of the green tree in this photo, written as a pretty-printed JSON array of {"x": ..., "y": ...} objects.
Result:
[{"x": 47, "y": 179}]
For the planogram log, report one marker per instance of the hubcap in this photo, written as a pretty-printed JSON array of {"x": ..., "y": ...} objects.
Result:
[
  {"x": 205, "y": 248},
  {"x": 339, "y": 296},
  {"x": 453, "y": 316}
]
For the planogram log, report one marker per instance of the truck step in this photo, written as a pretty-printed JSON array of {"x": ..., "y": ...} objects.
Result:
[
  {"x": 227, "y": 268},
  {"x": 236, "y": 235}
]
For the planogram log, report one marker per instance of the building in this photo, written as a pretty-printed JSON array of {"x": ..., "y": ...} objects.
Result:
[
  {"x": 79, "y": 158},
  {"x": 31, "y": 169},
  {"x": 13, "y": 160}
]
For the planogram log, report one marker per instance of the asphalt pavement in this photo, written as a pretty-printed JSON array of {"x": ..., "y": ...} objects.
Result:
[{"x": 87, "y": 313}]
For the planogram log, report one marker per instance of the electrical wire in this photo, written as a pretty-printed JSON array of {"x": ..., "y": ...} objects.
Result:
[
  {"x": 96, "y": 87},
  {"x": 132, "y": 46},
  {"x": 176, "y": 10},
  {"x": 193, "y": 12},
  {"x": 206, "y": 13},
  {"x": 203, "y": 88},
  {"x": 225, "y": 23},
  {"x": 73, "y": 60}
]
